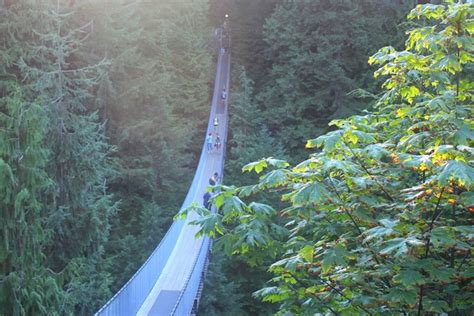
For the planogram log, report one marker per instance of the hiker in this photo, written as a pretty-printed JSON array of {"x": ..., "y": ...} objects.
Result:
[
  {"x": 206, "y": 203},
  {"x": 217, "y": 143},
  {"x": 224, "y": 96},
  {"x": 216, "y": 124},
  {"x": 209, "y": 142},
  {"x": 214, "y": 179}
]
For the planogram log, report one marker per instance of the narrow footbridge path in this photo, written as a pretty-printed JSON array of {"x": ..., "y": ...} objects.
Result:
[{"x": 170, "y": 281}]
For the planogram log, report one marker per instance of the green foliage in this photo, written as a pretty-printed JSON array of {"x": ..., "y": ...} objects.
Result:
[
  {"x": 155, "y": 98},
  {"x": 316, "y": 60},
  {"x": 219, "y": 289},
  {"x": 27, "y": 286},
  {"x": 229, "y": 285},
  {"x": 246, "y": 21},
  {"x": 250, "y": 138},
  {"x": 76, "y": 79},
  {"x": 78, "y": 205},
  {"x": 378, "y": 220}
]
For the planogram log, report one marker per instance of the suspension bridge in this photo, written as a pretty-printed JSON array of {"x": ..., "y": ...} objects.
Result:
[{"x": 171, "y": 280}]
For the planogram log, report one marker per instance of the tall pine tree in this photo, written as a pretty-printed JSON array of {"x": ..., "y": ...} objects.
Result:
[{"x": 78, "y": 204}]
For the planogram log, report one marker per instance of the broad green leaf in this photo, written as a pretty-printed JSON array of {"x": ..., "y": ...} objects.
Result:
[
  {"x": 234, "y": 204},
  {"x": 409, "y": 278},
  {"x": 271, "y": 294},
  {"x": 334, "y": 257},
  {"x": 273, "y": 179},
  {"x": 248, "y": 190},
  {"x": 442, "y": 237},
  {"x": 389, "y": 223},
  {"x": 262, "y": 209},
  {"x": 289, "y": 263},
  {"x": 409, "y": 93},
  {"x": 218, "y": 200},
  {"x": 361, "y": 182},
  {"x": 413, "y": 141},
  {"x": 254, "y": 238},
  {"x": 428, "y": 11},
  {"x": 464, "y": 135},
  {"x": 377, "y": 233},
  {"x": 458, "y": 171},
  {"x": 467, "y": 230},
  {"x": 310, "y": 193},
  {"x": 470, "y": 26},
  {"x": 343, "y": 166},
  {"x": 306, "y": 165},
  {"x": 376, "y": 151},
  {"x": 396, "y": 245},
  {"x": 405, "y": 296},
  {"x": 258, "y": 166},
  {"x": 307, "y": 253},
  {"x": 443, "y": 274},
  {"x": 329, "y": 141},
  {"x": 278, "y": 163},
  {"x": 363, "y": 214},
  {"x": 356, "y": 136},
  {"x": 210, "y": 224}
]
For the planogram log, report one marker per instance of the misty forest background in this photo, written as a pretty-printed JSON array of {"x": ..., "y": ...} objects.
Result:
[{"x": 103, "y": 108}]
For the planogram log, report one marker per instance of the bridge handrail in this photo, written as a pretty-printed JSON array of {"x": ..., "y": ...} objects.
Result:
[{"x": 185, "y": 302}]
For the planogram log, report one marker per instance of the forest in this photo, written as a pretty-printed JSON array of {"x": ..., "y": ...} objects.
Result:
[{"x": 349, "y": 174}]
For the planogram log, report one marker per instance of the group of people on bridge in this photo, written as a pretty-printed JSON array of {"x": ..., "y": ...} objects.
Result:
[{"x": 213, "y": 142}]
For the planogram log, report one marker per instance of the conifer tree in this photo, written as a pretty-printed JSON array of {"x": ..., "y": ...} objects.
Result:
[
  {"x": 318, "y": 53},
  {"x": 78, "y": 202},
  {"x": 250, "y": 136},
  {"x": 150, "y": 97},
  {"x": 27, "y": 286},
  {"x": 155, "y": 101}
]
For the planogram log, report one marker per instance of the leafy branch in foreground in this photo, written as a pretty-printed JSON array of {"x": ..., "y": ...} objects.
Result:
[{"x": 379, "y": 220}]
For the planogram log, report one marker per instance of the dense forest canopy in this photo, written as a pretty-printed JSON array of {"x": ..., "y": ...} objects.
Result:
[{"x": 103, "y": 107}]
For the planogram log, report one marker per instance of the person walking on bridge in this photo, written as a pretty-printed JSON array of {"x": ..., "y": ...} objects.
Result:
[
  {"x": 216, "y": 125},
  {"x": 214, "y": 179},
  {"x": 223, "y": 96},
  {"x": 206, "y": 203},
  {"x": 217, "y": 142},
  {"x": 209, "y": 142}
]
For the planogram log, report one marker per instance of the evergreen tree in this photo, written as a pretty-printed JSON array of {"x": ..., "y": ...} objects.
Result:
[
  {"x": 219, "y": 290},
  {"x": 155, "y": 99},
  {"x": 27, "y": 286},
  {"x": 317, "y": 51},
  {"x": 246, "y": 22},
  {"x": 59, "y": 98},
  {"x": 78, "y": 203},
  {"x": 250, "y": 137}
]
